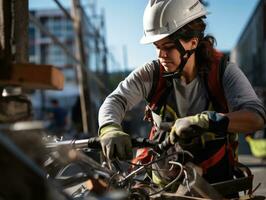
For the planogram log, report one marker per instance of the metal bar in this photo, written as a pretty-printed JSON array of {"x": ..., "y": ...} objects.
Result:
[
  {"x": 95, "y": 30},
  {"x": 67, "y": 14},
  {"x": 88, "y": 20},
  {"x": 99, "y": 37},
  {"x": 78, "y": 144},
  {"x": 53, "y": 37}
]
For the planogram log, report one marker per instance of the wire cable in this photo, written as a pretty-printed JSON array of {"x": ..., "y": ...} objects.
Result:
[{"x": 172, "y": 182}]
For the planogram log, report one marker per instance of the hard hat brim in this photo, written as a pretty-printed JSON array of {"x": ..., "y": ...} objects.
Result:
[{"x": 152, "y": 38}]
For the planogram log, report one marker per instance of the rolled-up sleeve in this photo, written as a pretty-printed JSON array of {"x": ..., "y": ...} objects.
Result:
[
  {"x": 239, "y": 92},
  {"x": 128, "y": 93}
]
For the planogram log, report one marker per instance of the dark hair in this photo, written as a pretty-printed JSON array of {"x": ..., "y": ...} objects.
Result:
[{"x": 205, "y": 51}]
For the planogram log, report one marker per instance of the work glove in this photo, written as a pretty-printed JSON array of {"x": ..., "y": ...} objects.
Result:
[
  {"x": 207, "y": 120},
  {"x": 115, "y": 143}
]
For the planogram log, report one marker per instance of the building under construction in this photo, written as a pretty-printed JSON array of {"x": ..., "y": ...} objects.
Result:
[{"x": 54, "y": 24}]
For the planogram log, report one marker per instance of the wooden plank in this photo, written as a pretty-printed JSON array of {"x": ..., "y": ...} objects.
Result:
[{"x": 32, "y": 76}]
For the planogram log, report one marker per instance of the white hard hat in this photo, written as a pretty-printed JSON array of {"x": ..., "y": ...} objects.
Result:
[{"x": 164, "y": 17}]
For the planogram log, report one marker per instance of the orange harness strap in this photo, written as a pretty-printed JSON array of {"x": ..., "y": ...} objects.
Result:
[
  {"x": 213, "y": 160},
  {"x": 143, "y": 154}
]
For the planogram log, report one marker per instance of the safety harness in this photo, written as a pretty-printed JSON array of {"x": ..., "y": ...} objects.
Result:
[{"x": 213, "y": 83}]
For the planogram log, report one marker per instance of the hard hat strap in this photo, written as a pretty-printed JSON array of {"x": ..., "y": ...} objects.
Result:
[{"x": 184, "y": 56}]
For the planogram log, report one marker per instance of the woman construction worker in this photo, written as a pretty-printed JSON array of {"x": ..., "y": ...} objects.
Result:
[{"x": 190, "y": 84}]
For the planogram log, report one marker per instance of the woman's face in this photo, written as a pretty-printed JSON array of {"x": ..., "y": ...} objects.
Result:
[{"x": 168, "y": 54}]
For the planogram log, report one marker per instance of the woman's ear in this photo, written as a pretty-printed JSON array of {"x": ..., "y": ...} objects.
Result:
[{"x": 194, "y": 42}]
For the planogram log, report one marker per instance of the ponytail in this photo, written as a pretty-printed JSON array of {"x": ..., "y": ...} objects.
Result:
[{"x": 205, "y": 53}]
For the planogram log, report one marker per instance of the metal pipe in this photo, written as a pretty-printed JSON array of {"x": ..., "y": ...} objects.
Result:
[
  {"x": 77, "y": 144},
  {"x": 64, "y": 10}
]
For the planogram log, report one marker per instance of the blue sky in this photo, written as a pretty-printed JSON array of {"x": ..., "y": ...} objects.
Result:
[{"x": 226, "y": 22}]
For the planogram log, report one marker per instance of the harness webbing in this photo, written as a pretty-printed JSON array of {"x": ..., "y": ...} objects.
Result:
[
  {"x": 214, "y": 159},
  {"x": 214, "y": 85}
]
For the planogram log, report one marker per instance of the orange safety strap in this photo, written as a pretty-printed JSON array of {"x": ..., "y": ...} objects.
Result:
[
  {"x": 157, "y": 94},
  {"x": 144, "y": 155},
  {"x": 213, "y": 160},
  {"x": 214, "y": 85},
  {"x": 219, "y": 155}
]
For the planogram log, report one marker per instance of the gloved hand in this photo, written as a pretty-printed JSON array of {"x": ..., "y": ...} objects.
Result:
[
  {"x": 115, "y": 143},
  {"x": 208, "y": 120}
]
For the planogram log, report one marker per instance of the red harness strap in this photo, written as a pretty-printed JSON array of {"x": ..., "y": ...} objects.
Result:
[
  {"x": 213, "y": 160},
  {"x": 215, "y": 83},
  {"x": 159, "y": 89},
  {"x": 143, "y": 154}
]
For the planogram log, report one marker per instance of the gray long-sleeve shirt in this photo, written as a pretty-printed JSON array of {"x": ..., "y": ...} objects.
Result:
[{"x": 192, "y": 97}]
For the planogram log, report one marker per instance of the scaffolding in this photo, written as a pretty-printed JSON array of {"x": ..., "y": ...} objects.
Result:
[{"x": 18, "y": 53}]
